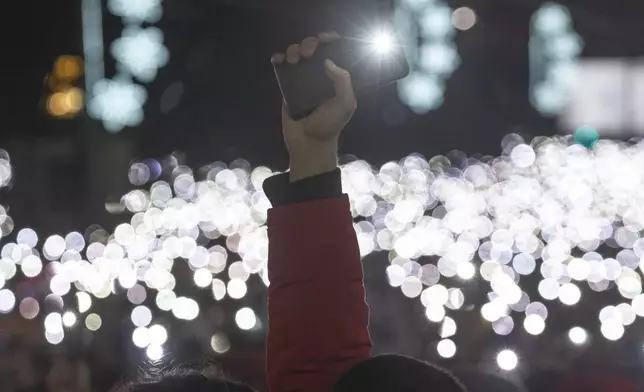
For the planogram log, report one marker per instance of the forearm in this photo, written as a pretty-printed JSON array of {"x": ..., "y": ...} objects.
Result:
[{"x": 317, "y": 312}]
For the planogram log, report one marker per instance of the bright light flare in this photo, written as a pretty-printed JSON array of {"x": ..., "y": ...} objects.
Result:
[
  {"x": 69, "y": 319},
  {"x": 507, "y": 360},
  {"x": 577, "y": 335},
  {"x": 154, "y": 352},
  {"x": 382, "y": 42}
]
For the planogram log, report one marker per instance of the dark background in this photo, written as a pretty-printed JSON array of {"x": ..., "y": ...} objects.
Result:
[
  {"x": 228, "y": 108},
  {"x": 229, "y": 102}
]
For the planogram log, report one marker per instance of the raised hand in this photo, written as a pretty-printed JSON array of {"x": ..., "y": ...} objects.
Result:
[{"x": 312, "y": 142}]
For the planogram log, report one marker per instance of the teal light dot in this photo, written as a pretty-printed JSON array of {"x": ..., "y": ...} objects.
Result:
[{"x": 586, "y": 136}]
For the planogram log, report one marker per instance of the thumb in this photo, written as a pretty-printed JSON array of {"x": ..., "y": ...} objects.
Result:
[{"x": 341, "y": 82}]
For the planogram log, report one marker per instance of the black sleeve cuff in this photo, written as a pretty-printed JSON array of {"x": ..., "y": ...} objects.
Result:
[{"x": 281, "y": 191}]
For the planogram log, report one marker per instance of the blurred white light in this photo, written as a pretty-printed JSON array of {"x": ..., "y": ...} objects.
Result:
[
  {"x": 136, "y": 10},
  {"x": 202, "y": 277},
  {"x": 569, "y": 294},
  {"x": 507, "y": 360},
  {"x": 463, "y": 18},
  {"x": 218, "y": 289},
  {"x": 54, "y": 337},
  {"x": 93, "y": 322},
  {"x": 551, "y": 17},
  {"x": 117, "y": 103},
  {"x": 411, "y": 287},
  {"x": 612, "y": 329},
  {"x": 382, "y": 42},
  {"x": 141, "y": 337},
  {"x": 578, "y": 335},
  {"x": 245, "y": 319},
  {"x": 7, "y": 301},
  {"x": 74, "y": 241},
  {"x": 534, "y": 324},
  {"x": 396, "y": 275},
  {"x": 141, "y": 51},
  {"x": 28, "y": 237},
  {"x": 69, "y": 319},
  {"x": 29, "y": 308},
  {"x": 455, "y": 209},
  {"x": 31, "y": 266},
  {"x": 54, "y": 247},
  {"x": 503, "y": 326},
  {"x": 608, "y": 313},
  {"x": 165, "y": 299},
  {"x": 236, "y": 288},
  {"x": 84, "y": 301},
  {"x": 434, "y": 60},
  {"x": 141, "y": 316},
  {"x": 435, "y": 313},
  {"x": 627, "y": 315},
  {"x": 523, "y": 156},
  {"x": 448, "y": 328},
  {"x": 579, "y": 269},
  {"x": 158, "y": 335},
  {"x": 446, "y": 348},
  {"x": 466, "y": 270},
  {"x": 638, "y": 303},
  {"x": 492, "y": 311},
  {"x": 185, "y": 308},
  {"x": 154, "y": 352},
  {"x": 554, "y": 53},
  {"x": 54, "y": 322},
  {"x": 220, "y": 343}
]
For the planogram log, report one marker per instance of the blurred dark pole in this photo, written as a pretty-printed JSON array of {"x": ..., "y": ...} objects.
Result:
[{"x": 106, "y": 155}]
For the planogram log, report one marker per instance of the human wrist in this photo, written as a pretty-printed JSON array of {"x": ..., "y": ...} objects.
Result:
[{"x": 320, "y": 160}]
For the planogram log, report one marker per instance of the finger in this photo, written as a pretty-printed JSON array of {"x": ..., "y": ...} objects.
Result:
[
  {"x": 278, "y": 58},
  {"x": 285, "y": 114},
  {"x": 328, "y": 36},
  {"x": 308, "y": 46},
  {"x": 293, "y": 54},
  {"x": 341, "y": 83}
]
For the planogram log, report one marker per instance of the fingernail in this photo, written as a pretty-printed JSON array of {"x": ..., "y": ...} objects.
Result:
[{"x": 330, "y": 63}]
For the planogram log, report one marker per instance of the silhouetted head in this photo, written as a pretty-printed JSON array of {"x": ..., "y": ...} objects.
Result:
[
  {"x": 397, "y": 373},
  {"x": 479, "y": 381},
  {"x": 180, "y": 380}
]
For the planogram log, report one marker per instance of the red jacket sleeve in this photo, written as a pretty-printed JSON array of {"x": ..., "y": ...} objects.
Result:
[{"x": 316, "y": 301}]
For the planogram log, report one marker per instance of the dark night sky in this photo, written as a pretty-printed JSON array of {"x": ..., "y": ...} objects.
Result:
[{"x": 229, "y": 107}]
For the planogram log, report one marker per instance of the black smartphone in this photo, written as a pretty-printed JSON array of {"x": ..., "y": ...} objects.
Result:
[{"x": 373, "y": 61}]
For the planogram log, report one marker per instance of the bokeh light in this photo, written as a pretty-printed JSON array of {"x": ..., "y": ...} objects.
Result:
[
  {"x": 220, "y": 343},
  {"x": 586, "y": 136},
  {"x": 446, "y": 348},
  {"x": 434, "y": 60},
  {"x": 245, "y": 319},
  {"x": 93, "y": 322},
  {"x": 154, "y": 352},
  {"x": 542, "y": 209},
  {"x": 69, "y": 319},
  {"x": 555, "y": 49},
  {"x": 68, "y": 68},
  {"x": 578, "y": 336},
  {"x": 463, "y": 18},
  {"x": 507, "y": 360},
  {"x": 29, "y": 308}
]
